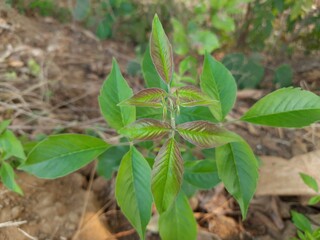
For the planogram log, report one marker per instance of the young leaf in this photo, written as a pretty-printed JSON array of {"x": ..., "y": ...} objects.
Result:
[
  {"x": 150, "y": 97},
  {"x": 314, "y": 200},
  {"x": 286, "y": 107},
  {"x": 202, "y": 173},
  {"x": 59, "y": 155},
  {"x": 310, "y": 181},
  {"x": 133, "y": 190},
  {"x": 11, "y": 146},
  {"x": 178, "y": 222},
  {"x": 167, "y": 175},
  {"x": 219, "y": 84},
  {"x": 161, "y": 51},
  {"x": 189, "y": 96},
  {"x": 146, "y": 129},
  {"x": 301, "y": 222},
  {"x": 7, "y": 177},
  {"x": 115, "y": 89},
  {"x": 238, "y": 170},
  {"x": 150, "y": 74},
  {"x": 3, "y": 125},
  {"x": 205, "y": 134}
]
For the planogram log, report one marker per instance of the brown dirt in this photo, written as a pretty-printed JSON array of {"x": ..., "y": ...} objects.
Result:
[
  {"x": 51, "y": 210},
  {"x": 62, "y": 96}
]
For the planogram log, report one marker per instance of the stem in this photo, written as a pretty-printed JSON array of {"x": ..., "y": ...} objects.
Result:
[{"x": 172, "y": 116}]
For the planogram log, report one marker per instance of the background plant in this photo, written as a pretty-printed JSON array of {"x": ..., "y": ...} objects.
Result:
[
  {"x": 303, "y": 224},
  {"x": 11, "y": 155}
]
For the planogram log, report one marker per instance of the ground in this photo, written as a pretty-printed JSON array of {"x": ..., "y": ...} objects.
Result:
[{"x": 51, "y": 74}]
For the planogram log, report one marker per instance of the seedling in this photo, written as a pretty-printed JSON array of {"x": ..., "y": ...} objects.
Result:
[
  {"x": 10, "y": 149},
  {"x": 305, "y": 230},
  {"x": 173, "y": 118}
]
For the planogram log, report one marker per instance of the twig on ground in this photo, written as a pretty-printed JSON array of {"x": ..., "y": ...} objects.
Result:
[
  {"x": 12, "y": 224},
  {"x": 122, "y": 234},
  {"x": 27, "y": 235},
  {"x": 85, "y": 203}
]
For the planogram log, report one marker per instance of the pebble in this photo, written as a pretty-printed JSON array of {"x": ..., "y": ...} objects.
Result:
[{"x": 16, "y": 211}]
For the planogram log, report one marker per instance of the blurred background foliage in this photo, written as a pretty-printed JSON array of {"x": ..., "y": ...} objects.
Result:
[{"x": 243, "y": 32}]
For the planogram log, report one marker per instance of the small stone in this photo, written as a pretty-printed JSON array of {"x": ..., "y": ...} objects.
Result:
[
  {"x": 16, "y": 211},
  {"x": 99, "y": 184},
  {"x": 70, "y": 226}
]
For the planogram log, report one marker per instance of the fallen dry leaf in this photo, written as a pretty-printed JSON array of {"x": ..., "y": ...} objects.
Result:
[{"x": 279, "y": 176}]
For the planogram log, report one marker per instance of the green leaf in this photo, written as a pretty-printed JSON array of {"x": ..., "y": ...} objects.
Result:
[
  {"x": 194, "y": 113},
  {"x": 133, "y": 68},
  {"x": 3, "y": 125},
  {"x": 248, "y": 72},
  {"x": 238, "y": 170},
  {"x": 161, "y": 51},
  {"x": 180, "y": 39},
  {"x": 146, "y": 129},
  {"x": 301, "y": 222},
  {"x": 202, "y": 173},
  {"x": 286, "y": 107},
  {"x": 190, "y": 96},
  {"x": 223, "y": 22},
  {"x": 178, "y": 222},
  {"x": 7, "y": 177},
  {"x": 146, "y": 112},
  {"x": 189, "y": 64},
  {"x": 167, "y": 175},
  {"x": 81, "y": 10},
  {"x": 150, "y": 74},
  {"x": 301, "y": 235},
  {"x": 283, "y": 75},
  {"x": 104, "y": 29},
  {"x": 10, "y": 146},
  {"x": 314, "y": 200},
  {"x": 205, "y": 134},
  {"x": 188, "y": 189},
  {"x": 59, "y": 155},
  {"x": 115, "y": 89},
  {"x": 109, "y": 161},
  {"x": 309, "y": 181},
  {"x": 204, "y": 41},
  {"x": 218, "y": 83},
  {"x": 150, "y": 97},
  {"x": 133, "y": 190}
]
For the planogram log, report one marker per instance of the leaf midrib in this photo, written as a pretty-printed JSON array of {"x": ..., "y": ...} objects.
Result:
[
  {"x": 135, "y": 191},
  {"x": 237, "y": 174},
  {"x": 278, "y": 113},
  {"x": 198, "y": 133},
  {"x": 168, "y": 168}
]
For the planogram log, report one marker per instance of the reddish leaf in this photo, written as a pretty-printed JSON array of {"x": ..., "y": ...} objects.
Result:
[
  {"x": 150, "y": 97},
  {"x": 146, "y": 129},
  {"x": 161, "y": 51},
  {"x": 205, "y": 134},
  {"x": 167, "y": 175},
  {"x": 189, "y": 96}
]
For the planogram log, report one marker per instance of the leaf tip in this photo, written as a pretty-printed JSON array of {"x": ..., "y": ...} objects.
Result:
[{"x": 156, "y": 17}]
